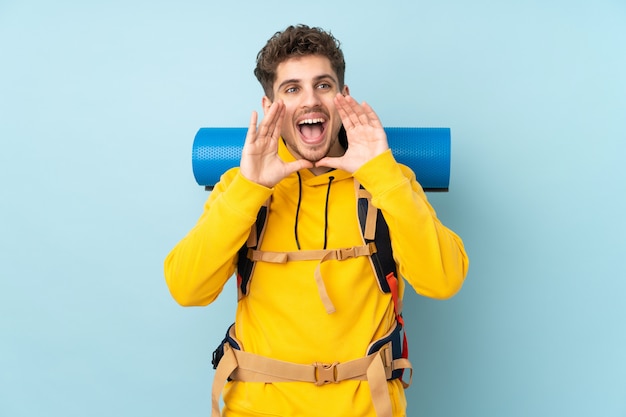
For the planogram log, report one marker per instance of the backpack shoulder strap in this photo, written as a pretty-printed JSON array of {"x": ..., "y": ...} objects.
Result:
[
  {"x": 375, "y": 229},
  {"x": 382, "y": 259},
  {"x": 245, "y": 265}
]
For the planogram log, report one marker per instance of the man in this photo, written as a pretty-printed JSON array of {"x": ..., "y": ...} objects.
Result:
[{"x": 313, "y": 145}]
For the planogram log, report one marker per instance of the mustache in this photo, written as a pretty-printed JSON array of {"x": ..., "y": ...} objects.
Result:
[{"x": 312, "y": 110}]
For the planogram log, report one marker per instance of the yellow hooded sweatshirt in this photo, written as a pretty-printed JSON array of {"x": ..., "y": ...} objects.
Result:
[{"x": 283, "y": 317}]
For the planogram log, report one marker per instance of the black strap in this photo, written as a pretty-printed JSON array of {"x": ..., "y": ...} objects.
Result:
[
  {"x": 383, "y": 258},
  {"x": 244, "y": 264}
]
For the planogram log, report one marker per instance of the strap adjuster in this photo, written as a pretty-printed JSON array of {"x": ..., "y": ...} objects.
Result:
[
  {"x": 325, "y": 373},
  {"x": 386, "y": 356},
  {"x": 354, "y": 251},
  {"x": 345, "y": 253}
]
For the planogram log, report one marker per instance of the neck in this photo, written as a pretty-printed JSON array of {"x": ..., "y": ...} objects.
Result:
[{"x": 320, "y": 170}]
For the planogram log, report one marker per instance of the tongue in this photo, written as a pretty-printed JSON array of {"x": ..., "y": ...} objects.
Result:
[{"x": 311, "y": 132}]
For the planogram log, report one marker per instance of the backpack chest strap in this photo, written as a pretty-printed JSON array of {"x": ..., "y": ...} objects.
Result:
[{"x": 323, "y": 255}]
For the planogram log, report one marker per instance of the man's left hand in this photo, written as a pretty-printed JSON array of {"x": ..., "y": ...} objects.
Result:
[{"x": 366, "y": 135}]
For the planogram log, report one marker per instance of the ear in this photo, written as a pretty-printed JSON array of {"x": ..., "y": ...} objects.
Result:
[
  {"x": 345, "y": 90},
  {"x": 266, "y": 103}
]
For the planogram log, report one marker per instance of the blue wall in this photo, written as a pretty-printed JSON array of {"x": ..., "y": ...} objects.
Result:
[{"x": 99, "y": 103}]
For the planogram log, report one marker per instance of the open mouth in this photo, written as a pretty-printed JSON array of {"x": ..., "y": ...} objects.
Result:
[{"x": 312, "y": 130}]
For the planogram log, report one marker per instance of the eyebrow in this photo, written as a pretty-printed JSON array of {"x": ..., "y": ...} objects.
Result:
[{"x": 316, "y": 79}]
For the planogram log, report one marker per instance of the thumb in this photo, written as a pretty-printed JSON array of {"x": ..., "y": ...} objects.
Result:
[
  {"x": 295, "y": 166},
  {"x": 330, "y": 162}
]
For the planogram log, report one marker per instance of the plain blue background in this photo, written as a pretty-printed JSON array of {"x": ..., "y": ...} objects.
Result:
[{"x": 99, "y": 103}]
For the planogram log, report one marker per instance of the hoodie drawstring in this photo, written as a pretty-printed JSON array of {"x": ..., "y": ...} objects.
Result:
[{"x": 326, "y": 205}]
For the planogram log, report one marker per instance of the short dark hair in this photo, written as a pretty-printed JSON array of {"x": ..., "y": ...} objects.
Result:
[{"x": 299, "y": 40}]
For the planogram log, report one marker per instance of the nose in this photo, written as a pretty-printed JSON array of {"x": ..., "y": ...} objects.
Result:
[{"x": 310, "y": 97}]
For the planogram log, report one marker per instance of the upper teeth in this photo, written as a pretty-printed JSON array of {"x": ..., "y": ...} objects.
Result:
[{"x": 311, "y": 121}]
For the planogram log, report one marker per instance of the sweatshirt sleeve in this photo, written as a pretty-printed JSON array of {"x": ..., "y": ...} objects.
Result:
[
  {"x": 202, "y": 262},
  {"x": 430, "y": 256}
]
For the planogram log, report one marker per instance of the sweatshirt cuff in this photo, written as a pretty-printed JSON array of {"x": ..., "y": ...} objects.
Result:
[
  {"x": 380, "y": 174},
  {"x": 245, "y": 196}
]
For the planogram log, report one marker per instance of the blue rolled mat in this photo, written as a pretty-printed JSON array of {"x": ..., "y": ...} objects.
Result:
[{"x": 426, "y": 150}]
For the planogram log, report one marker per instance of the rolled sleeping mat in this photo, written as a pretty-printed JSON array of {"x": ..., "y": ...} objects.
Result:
[{"x": 426, "y": 150}]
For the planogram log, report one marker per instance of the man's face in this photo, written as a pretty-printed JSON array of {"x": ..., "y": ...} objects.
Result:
[{"x": 307, "y": 85}]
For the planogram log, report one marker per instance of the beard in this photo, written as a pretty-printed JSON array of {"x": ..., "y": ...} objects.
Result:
[{"x": 315, "y": 153}]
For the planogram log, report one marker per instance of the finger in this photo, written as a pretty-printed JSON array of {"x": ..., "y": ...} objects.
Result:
[
  {"x": 276, "y": 132},
  {"x": 330, "y": 162},
  {"x": 354, "y": 112},
  {"x": 251, "y": 134},
  {"x": 371, "y": 115},
  {"x": 344, "y": 111},
  {"x": 295, "y": 166},
  {"x": 268, "y": 124},
  {"x": 358, "y": 112}
]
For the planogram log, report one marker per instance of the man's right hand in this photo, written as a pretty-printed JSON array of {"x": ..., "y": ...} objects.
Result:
[{"x": 260, "y": 162}]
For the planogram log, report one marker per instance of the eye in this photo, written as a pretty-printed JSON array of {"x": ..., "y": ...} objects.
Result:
[
  {"x": 291, "y": 90},
  {"x": 324, "y": 86}
]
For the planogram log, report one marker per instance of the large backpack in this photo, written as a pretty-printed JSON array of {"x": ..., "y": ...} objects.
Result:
[
  {"x": 427, "y": 152},
  {"x": 385, "y": 358}
]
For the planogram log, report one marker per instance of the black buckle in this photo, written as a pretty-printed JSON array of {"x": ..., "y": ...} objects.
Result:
[{"x": 217, "y": 355}]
